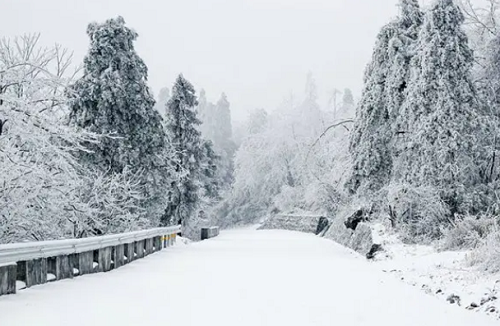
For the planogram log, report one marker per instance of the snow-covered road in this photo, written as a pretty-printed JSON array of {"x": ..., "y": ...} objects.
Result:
[{"x": 243, "y": 277}]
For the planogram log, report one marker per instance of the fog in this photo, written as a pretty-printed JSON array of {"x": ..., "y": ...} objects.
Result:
[{"x": 255, "y": 51}]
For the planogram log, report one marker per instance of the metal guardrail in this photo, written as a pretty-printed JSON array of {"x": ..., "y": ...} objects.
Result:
[
  {"x": 31, "y": 262},
  {"x": 11, "y": 253}
]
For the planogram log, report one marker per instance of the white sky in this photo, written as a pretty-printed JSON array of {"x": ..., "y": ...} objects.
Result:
[{"x": 257, "y": 51}]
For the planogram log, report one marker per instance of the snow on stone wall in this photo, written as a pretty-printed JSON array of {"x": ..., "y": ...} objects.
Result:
[{"x": 293, "y": 222}]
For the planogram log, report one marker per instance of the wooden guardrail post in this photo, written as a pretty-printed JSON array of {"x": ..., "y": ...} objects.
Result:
[
  {"x": 139, "y": 249},
  {"x": 33, "y": 262},
  {"x": 104, "y": 260},
  {"x": 85, "y": 262},
  {"x": 157, "y": 243},
  {"x": 148, "y": 246},
  {"x": 119, "y": 256},
  {"x": 129, "y": 252},
  {"x": 32, "y": 272},
  {"x": 8, "y": 274},
  {"x": 60, "y": 267}
]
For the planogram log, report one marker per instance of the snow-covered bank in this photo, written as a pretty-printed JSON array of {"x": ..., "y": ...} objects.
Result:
[
  {"x": 243, "y": 277},
  {"x": 447, "y": 275}
]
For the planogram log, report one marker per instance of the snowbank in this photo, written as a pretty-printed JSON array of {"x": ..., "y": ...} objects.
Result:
[{"x": 447, "y": 275}]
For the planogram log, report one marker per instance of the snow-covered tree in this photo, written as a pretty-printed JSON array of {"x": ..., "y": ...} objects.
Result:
[
  {"x": 223, "y": 140},
  {"x": 112, "y": 98},
  {"x": 369, "y": 146},
  {"x": 257, "y": 121},
  {"x": 482, "y": 18},
  {"x": 182, "y": 126},
  {"x": 375, "y": 139},
  {"x": 348, "y": 107},
  {"x": 444, "y": 129},
  {"x": 163, "y": 97},
  {"x": 209, "y": 179},
  {"x": 347, "y": 98},
  {"x": 402, "y": 48},
  {"x": 45, "y": 193}
]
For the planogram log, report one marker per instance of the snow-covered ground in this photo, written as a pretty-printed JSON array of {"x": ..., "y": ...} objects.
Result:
[
  {"x": 243, "y": 277},
  {"x": 447, "y": 275}
]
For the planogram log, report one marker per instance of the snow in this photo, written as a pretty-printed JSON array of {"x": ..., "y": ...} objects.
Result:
[
  {"x": 51, "y": 277},
  {"x": 20, "y": 285},
  {"x": 243, "y": 277},
  {"x": 443, "y": 274}
]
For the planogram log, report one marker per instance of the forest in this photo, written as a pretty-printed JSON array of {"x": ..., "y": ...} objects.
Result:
[{"x": 87, "y": 149}]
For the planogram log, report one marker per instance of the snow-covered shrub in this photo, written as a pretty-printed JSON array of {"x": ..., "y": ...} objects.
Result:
[
  {"x": 113, "y": 203},
  {"x": 467, "y": 232},
  {"x": 418, "y": 212},
  {"x": 45, "y": 191},
  {"x": 289, "y": 198},
  {"x": 488, "y": 254}
]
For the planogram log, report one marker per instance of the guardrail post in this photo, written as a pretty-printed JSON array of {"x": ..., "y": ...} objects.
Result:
[
  {"x": 32, "y": 272},
  {"x": 118, "y": 256},
  {"x": 158, "y": 245},
  {"x": 36, "y": 263},
  {"x": 139, "y": 249},
  {"x": 8, "y": 275},
  {"x": 85, "y": 262},
  {"x": 60, "y": 266},
  {"x": 149, "y": 246},
  {"x": 104, "y": 260},
  {"x": 129, "y": 252}
]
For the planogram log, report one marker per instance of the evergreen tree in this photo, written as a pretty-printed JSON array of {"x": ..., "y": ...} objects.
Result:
[
  {"x": 444, "y": 127},
  {"x": 223, "y": 117},
  {"x": 347, "y": 109},
  {"x": 112, "y": 98},
  {"x": 376, "y": 136},
  {"x": 182, "y": 129},
  {"x": 258, "y": 121},
  {"x": 163, "y": 98},
  {"x": 210, "y": 179},
  {"x": 223, "y": 141},
  {"x": 372, "y": 162},
  {"x": 401, "y": 52},
  {"x": 347, "y": 98}
]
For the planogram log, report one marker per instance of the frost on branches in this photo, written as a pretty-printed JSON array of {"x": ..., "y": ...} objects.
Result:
[
  {"x": 194, "y": 160},
  {"x": 445, "y": 131},
  {"x": 113, "y": 99},
  {"x": 41, "y": 181}
]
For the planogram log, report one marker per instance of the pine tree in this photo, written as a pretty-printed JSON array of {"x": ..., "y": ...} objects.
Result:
[
  {"x": 347, "y": 98},
  {"x": 401, "y": 51},
  {"x": 209, "y": 177},
  {"x": 372, "y": 161},
  {"x": 223, "y": 116},
  {"x": 376, "y": 137},
  {"x": 182, "y": 129},
  {"x": 444, "y": 127},
  {"x": 223, "y": 141},
  {"x": 163, "y": 98},
  {"x": 112, "y": 98}
]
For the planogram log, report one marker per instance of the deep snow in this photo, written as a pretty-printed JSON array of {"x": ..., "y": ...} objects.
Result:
[
  {"x": 444, "y": 274},
  {"x": 243, "y": 277}
]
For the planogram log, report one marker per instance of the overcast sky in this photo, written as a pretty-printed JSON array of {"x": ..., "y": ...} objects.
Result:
[{"x": 256, "y": 51}]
